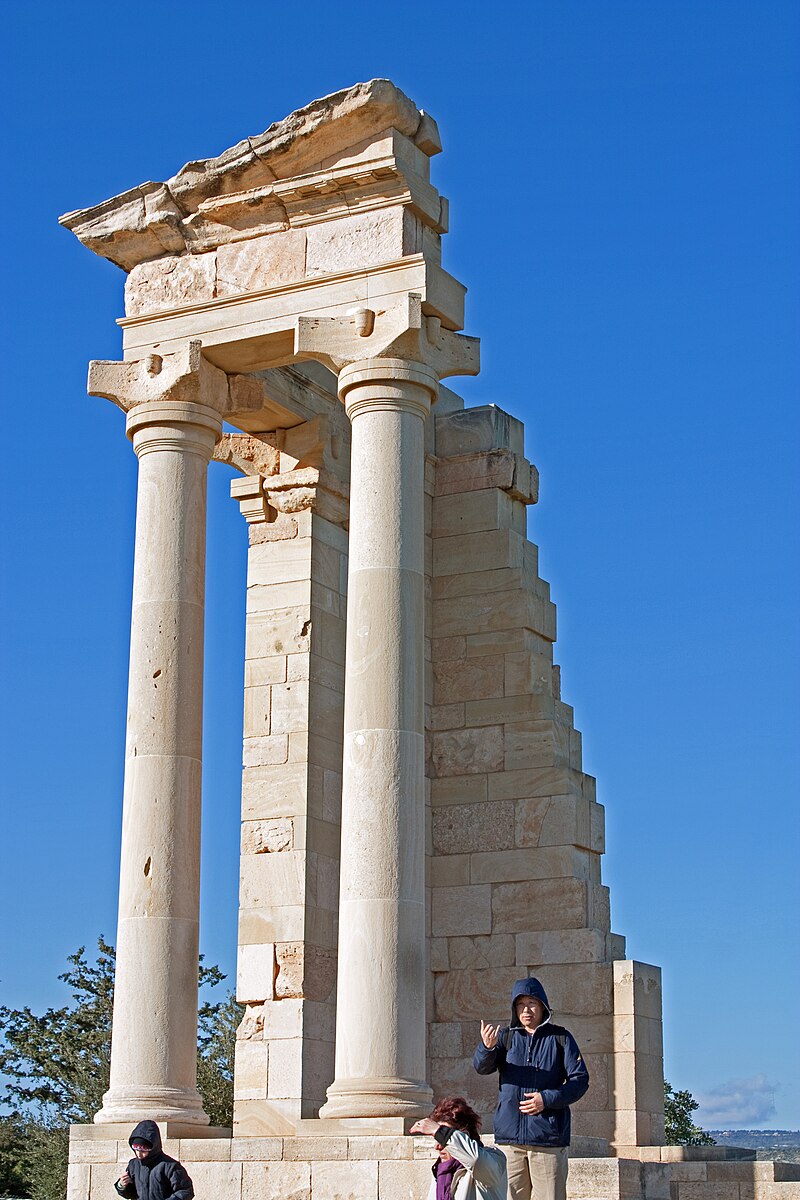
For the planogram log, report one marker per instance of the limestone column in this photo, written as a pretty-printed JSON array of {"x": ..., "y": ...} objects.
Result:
[
  {"x": 154, "y": 1036},
  {"x": 380, "y": 1022}
]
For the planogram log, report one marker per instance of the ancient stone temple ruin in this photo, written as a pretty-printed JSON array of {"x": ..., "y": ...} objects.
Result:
[{"x": 417, "y": 829}]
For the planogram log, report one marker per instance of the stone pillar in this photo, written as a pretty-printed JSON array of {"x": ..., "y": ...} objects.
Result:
[
  {"x": 154, "y": 1038},
  {"x": 380, "y": 1021}
]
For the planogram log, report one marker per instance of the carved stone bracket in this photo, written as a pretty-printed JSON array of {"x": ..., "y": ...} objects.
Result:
[
  {"x": 399, "y": 331},
  {"x": 263, "y": 498},
  {"x": 185, "y": 377}
]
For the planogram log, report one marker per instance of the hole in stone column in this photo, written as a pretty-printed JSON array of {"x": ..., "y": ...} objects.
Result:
[
  {"x": 147, "y": 866},
  {"x": 306, "y": 630},
  {"x": 156, "y": 673}
]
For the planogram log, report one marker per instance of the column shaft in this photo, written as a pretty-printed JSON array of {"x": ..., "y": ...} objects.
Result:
[
  {"x": 154, "y": 1040},
  {"x": 380, "y": 1021}
]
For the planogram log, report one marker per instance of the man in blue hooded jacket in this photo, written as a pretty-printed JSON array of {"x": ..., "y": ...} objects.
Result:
[{"x": 541, "y": 1074}]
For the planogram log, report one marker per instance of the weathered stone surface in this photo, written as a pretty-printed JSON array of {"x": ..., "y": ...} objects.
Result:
[
  {"x": 275, "y": 790},
  {"x": 344, "y": 1180},
  {"x": 265, "y": 751},
  {"x": 461, "y": 828},
  {"x": 461, "y": 752},
  {"x": 170, "y": 283},
  {"x": 581, "y": 988},
  {"x": 478, "y": 430},
  {"x": 449, "y": 870},
  {"x": 267, "y": 837},
  {"x": 217, "y": 1179},
  {"x": 469, "y": 953},
  {"x": 269, "y": 877},
  {"x": 456, "y": 680},
  {"x": 552, "y": 862},
  {"x": 561, "y": 946},
  {"x": 488, "y": 469},
  {"x": 285, "y": 1069},
  {"x": 446, "y": 716},
  {"x": 250, "y": 1074},
  {"x": 289, "y": 1180},
  {"x": 474, "y": 994},
  {"x": 395, "y": 1149},
  {"x": 403, "y": 1180},
  {"x": 304, "y": 970},
  {"x": 535, "y": 782},
  {"x": 472, "y": 512},
  {"x": 355, "y": 242},
  {"x": 255, "y": 973},
  {"x": 448, "y": 648},
  {"x": 554, "y": 821},
  {"x": 78, "y": 1178},
  {"x": 519, "y": 907},
  {"x": 490, "y": 550},
  {"x": 536, "y": 744},
  {"x": 261, "y": 262},
  {"x": 459, "y": 789},
  {"x": 462, "y": 910},
  {"x": 445, "y": 1039}
]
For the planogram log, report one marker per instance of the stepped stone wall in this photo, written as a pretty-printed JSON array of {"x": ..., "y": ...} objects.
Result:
[{"x": 515, "y": 832}]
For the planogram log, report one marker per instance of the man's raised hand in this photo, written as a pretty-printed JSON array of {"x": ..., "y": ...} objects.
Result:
[{"x": 490, "y": 1034}]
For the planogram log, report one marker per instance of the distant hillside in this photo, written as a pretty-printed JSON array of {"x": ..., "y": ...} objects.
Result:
[{"x": 768, "y": 1143}]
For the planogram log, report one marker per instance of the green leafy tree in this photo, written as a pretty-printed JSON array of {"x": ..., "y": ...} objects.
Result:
[
  {"x": 12, "y": 1142},
  {"x": 679, "y": 1127},
  {"x": 56, "y": 1069},
  {"x": 217, "y": 1023}
]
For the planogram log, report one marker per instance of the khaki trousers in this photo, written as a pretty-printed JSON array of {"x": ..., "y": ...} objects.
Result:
[{"x": 537, "y": 1172}]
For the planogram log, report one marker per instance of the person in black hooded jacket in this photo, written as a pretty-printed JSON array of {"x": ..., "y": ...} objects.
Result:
[
  {"x": 541, "y": 1072},
  {"x": 151, "y": 1174}
]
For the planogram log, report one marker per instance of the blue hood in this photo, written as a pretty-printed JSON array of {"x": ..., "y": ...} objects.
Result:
[{"x": 528, "y": 987}]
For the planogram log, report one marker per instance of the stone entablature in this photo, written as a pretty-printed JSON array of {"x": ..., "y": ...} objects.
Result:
[{"x": 353, "y": 152}]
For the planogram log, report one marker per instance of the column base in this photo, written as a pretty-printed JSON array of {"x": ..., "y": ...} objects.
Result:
[
  {"x": 377, "y": 1097},
  {"x": 136, "y": 1104}
]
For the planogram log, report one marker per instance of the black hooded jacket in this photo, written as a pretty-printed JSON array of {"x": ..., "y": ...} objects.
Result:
[
  {"x": 547, "y": 1061},
  {"x": 158, "y": 1176}
]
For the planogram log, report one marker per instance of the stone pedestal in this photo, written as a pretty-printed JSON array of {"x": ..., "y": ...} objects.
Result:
[{"x": 376, "y": 1160}]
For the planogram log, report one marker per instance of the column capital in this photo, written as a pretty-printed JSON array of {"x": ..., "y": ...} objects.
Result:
[
  {"x": 173, "y": 425},
  {"x": 400, "y": 331},
  {"x": 390, "y": 384},
  {"x": 181, "y": 381}
]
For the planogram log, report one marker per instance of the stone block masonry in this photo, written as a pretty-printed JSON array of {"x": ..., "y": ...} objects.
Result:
[
  {"x": 516, "y": 833},
  {"x": 350, "y": 1164}
]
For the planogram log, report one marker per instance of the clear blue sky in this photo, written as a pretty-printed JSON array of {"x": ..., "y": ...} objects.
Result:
[{"x": 625, "y": 190}]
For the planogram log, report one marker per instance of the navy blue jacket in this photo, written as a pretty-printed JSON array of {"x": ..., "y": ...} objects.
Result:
[
  {"x": 158, "y": 1176},
  {"x": 547, "y": 1061}
]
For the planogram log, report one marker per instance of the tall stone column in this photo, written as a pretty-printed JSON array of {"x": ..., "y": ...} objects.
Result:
[
  {"x": 380, "y": 1026},
  {"x": 389, "y": 363},
  {"x": 154, "y": 1035}
]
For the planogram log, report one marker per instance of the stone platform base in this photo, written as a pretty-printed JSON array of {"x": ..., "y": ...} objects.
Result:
[{"x": 344, "y": 1163}]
